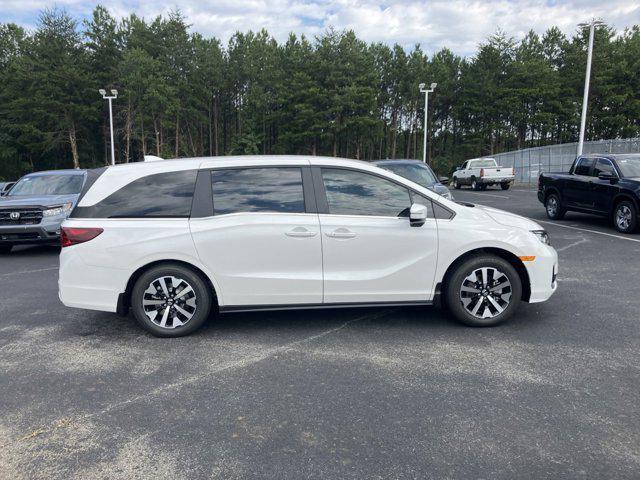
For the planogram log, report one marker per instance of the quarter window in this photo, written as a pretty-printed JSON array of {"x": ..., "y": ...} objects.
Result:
[
  {"x": 163, "y": 195},
  {"x": 273, "y": 189},
  {"x": 358, "y": 193}
]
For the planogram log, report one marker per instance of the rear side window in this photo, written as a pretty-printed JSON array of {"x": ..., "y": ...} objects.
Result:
[
  {"x": 273, "y": 189},
  {"x": 583, "y": 167},
  {"x": 163, "y": 195}
]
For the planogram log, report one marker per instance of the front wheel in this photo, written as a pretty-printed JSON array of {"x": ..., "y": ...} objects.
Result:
[
  {"x": 456, "y": 184},
  {"x": 4, "y": 249},
  {"x": 171, "y": 300},
  {"x": 505, "y": 186},
  {"x": 483, "y": 291},
  {"x": 625, "y": 217}
]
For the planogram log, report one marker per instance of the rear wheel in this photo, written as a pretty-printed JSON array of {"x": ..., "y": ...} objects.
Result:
[
  {"x": 5, "y": 248},
  {"x": 456, "y": 184},
  {"x": 505, "y": 186},
  {"x": 474, "y": 184},
  {"x": 553, "y": 207},
  {"x": 171, "y": 300},
  {"x": 625, "y": 217},
  {"x": 483, "y": 291}
]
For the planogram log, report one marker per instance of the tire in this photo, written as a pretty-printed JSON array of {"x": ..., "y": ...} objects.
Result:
[
  {"x": 491, "y": 307},
  {"x": 4, "y": 249},
  {"x": 474, "y": 185},
  {"x": 625, "y": 217},
  {"x": 553, "y": 207},
  {"x": 149, "y": 288},
  {"x": 505, "y": 186},
  {"x": 456, "y": 184},
  {"x": 483, "y": 187}
]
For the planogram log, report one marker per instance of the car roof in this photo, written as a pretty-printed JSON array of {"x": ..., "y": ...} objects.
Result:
[
  {"x": 57, "y": 172},
  {"x": 398, "y": 161},
  {"x": 610, "y": 156}
]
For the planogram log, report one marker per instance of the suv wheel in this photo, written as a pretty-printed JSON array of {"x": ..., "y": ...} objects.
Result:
[
  {"x": 171, "y": 300},
  {"x": 483, "y": 291},
  {"x": 553, "y": 207},
  {"x": 456, "y": 184},
  {"x": 625, "y": 217},
  {"x": 5, "y": 248}
]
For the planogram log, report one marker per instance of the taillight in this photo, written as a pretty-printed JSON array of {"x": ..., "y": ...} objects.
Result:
[
  {"x": 482, "y": 172},
  {"x": 513, "y": 172},
  {"x": 72, "y": 236}
]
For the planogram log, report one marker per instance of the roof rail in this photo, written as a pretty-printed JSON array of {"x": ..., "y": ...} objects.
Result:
[{"x": 152, "y": 158}]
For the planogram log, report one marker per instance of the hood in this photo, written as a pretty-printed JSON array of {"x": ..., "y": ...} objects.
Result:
[
  {"x": 439, "y": 188},
  {"x": 37, "y": 200},
  {"x": 509, "y": 219}
]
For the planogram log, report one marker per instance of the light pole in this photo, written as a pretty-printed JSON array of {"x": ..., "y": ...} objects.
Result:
[
  {"x": 114, "y": 94},
  {"x": 585, "y": 99},
  {"x": 426, "y": 110}
]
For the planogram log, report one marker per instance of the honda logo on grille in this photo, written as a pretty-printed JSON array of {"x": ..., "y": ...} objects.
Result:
[{"x": 14, "y": 216}]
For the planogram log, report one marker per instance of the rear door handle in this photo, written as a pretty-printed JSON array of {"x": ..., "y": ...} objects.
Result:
[
  {"x": 341, "y": 233},
  {"x": 300, "y": 232}
]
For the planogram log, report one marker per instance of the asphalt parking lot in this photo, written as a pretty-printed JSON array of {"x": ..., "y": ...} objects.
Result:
[{"x": 387, "y": 393}]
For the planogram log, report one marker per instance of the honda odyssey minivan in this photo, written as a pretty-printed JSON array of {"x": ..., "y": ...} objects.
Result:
[{"x": 173, "y": 240}]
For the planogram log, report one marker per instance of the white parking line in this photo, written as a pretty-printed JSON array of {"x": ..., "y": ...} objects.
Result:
[
  {"x": 28, "y": 271},
  {"x": 590, "y": 231},
  {"x": 488, "y": 195}
]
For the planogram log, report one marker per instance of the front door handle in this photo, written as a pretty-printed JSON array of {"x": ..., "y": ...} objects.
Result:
[
  {"x": 341, "y": 233},
  {"x": 300, "y": 232}
]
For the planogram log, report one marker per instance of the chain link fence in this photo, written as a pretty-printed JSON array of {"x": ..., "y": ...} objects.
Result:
[{"x": 530, "y": 162}]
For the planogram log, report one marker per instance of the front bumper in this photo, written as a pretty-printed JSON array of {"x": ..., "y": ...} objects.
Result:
[
  {"x": 45, "y": 232},
  {"x": 543, "y": 275}
]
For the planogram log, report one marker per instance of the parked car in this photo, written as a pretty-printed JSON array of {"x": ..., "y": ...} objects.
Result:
[
  {"x": 483, "y": 172},
  {"x": 5, "y": 187},
  {"x": 600, "y": 184},
  {"x": 173, "y": 240},
  {"x": 32, "y": 211},
  {"x": 418, "y": 172}
]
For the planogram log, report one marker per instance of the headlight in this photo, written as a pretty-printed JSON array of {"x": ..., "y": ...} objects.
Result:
[
  {"x": 447, "y": 195},
  {"x": 53, "y": 212},
  {"x": 542, "y": 235}
]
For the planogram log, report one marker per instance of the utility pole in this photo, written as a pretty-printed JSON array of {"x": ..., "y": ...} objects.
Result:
[
  {"x": 585, "y": 99},
  {"x": 114, "y": 94},
  {"x": 426, "y": 113}
]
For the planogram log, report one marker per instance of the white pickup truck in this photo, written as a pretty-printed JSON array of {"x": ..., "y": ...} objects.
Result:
[{"x": 482, "y": 172}]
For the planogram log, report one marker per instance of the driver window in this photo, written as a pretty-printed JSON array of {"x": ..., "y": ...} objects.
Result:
[
  {"x": 604, "y": 166},
  {"x": 351, "y": 192}
]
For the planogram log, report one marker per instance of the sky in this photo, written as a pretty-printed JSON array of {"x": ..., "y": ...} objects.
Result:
[{"x": 457, "y": 24}]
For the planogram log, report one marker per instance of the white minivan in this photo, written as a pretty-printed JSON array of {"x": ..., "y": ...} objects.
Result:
[{"x": 174, "y": 240}]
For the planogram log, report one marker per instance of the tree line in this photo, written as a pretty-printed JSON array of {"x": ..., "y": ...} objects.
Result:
[{"x": 182, "y": 94}]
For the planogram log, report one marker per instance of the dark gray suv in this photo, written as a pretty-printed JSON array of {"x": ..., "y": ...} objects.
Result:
[{"x": 32, "y": 211}]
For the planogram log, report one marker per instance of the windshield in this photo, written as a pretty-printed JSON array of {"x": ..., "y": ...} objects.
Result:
[
  {"x": 48, "y": 185},
  {"x": 416, "y": 172},
  {"x": 629, "y": 166},
  {"x": 490, "y": 162}
]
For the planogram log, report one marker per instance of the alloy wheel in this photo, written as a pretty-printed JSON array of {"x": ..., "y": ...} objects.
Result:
[
  {"x": 169, "y": 302},
  {"x": 624, "y": 216},
  {"x": 486, "y": 292},
  {"x": 552, "y": 206}
]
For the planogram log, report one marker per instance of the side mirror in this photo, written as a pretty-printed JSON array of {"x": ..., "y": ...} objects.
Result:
[
  {"x": 607, "y": 176},
  {"x": 444, "y": 180},
  {"x": 417, "y": 215}
]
